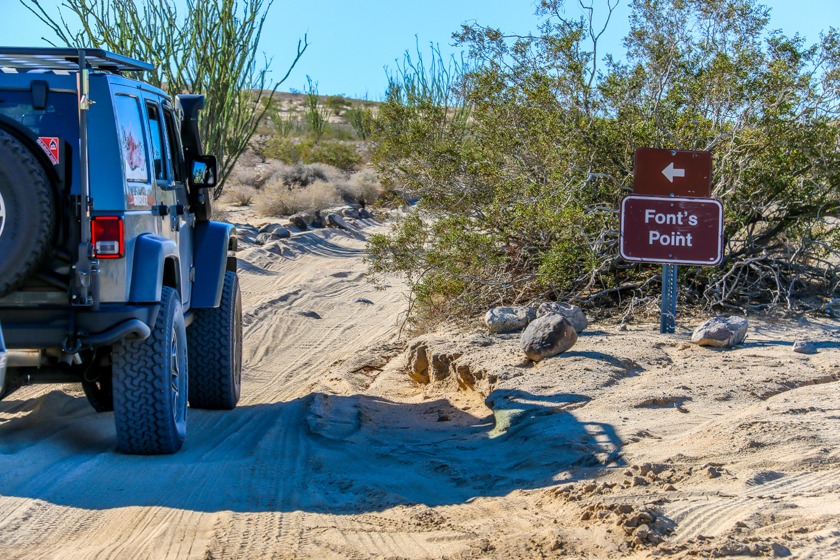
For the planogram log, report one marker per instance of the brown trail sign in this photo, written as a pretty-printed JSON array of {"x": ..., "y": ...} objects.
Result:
[
  {"x": 671, "y": 219},
  {"x": 680, "y": 173},
  {"x": 663, "y": 230}
]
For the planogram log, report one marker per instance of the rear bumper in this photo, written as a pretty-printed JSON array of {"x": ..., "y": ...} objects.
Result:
[{"x": 54, "y": 327}]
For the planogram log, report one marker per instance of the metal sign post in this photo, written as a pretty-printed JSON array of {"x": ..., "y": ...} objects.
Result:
[{"x": 668, "y": 313}]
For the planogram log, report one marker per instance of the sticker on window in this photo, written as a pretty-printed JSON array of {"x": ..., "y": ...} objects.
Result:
[
  {"x": 131, "y": 139},
  {"x": 50, "y": 146}
]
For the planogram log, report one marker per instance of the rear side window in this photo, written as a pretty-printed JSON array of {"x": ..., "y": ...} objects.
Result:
[
  {"x": 56, "y": 126},
  {"x": 174, "y": 141},
  {"x": 156, "y": 129},
  {"x": 60, "y": 117},
  {"x": 132, "y": 140}
]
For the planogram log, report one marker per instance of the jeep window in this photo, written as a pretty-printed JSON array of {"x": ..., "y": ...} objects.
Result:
[
  {"x": 132, "y": 141},
  {"x": 157, "y": 141},
  {"x": 174, "y": 145},
  {"x": 59, "y": 118}
]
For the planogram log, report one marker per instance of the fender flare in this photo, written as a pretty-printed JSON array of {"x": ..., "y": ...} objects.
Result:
[
  {"x": 150, "y": 255},
  {"x": 212, "y": 242}
]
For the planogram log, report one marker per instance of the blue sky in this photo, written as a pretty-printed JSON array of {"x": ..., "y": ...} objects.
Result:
[{"x": 352, "y": 41}]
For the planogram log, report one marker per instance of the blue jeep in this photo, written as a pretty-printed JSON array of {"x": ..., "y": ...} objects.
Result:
[{"x": 112, "y": 273}]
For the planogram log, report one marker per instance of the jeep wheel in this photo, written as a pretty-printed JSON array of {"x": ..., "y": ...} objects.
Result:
[
  {"x": 215, "y": 343},
  {"x": 27, "y": 213},
  {"x": 150, "y": 384}
]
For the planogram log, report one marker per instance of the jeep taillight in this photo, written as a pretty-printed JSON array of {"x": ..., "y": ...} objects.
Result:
[{"x": 106, "y": 234}]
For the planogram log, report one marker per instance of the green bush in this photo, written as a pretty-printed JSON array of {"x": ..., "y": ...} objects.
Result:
[
  {"x": 342, "y": 155},
  {"x": 519, "y": 159}
]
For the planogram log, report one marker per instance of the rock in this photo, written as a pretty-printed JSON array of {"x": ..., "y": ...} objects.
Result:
[
  {"x": 300, "y": 221},
  {"x": 547, "y": 336},
  {"x": 804, "y": 347},
  {"x": 264, "y": 238},
  {"x": 311, "y": 314},
  {"x": 418, "y": 362},
  {"x": 246, "y": 234},
  {"x": 362, "y": 300},
  {"x": 350, "y": 213},
  {"x": 334, "y": 220},
  {"x": 572, "y": 313},
  {"x": 779, "y": 550},
  {"x": 364, "y": 214},
  {"x": 722, "y": 332},
  {"x": 279, "y": 231},
  {"x": 317, "y": 221},
  {"x": 508, "y": 319}
]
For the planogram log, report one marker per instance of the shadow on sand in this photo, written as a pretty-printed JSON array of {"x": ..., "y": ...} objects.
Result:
[{"x": 323, "y": 453}]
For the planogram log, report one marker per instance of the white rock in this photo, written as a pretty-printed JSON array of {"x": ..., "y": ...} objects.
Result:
[
  {"x": 508, "y": 319},
  {"x": 722, "y": 332},
  {"x": 804, "y": 347},
  {"x": 572, "y": 313}
]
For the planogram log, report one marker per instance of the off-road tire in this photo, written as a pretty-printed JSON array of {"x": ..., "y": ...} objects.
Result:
[
  {"x": 27, "y": 213},
  {"x": 150, "y": 385},
  {"x": 215, "y": 343}
]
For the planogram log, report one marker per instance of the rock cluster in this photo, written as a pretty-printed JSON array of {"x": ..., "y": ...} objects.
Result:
[{"x": 548, "y": 330}]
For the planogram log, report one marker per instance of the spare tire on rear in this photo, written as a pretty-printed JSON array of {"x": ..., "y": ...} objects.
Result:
[{"x": 27, "y": 213}]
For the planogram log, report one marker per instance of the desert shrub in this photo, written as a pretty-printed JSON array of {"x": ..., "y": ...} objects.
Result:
[
  {"x": 339, "y": 131},
  {"x": 316, "y": 116},
  {"x": 522, "y": 158},
  {"x": 299, "y": 175},
  {"x": 280, "y": 200},
  {"x": 360, "y": 119},
  {"x": 342, "y": 155},
  {"x": 245, "y": 176},
  {"x": 239, "y": 196},
  {"x": 363, "y": 186},
  {"x": 336, "y": 103}
]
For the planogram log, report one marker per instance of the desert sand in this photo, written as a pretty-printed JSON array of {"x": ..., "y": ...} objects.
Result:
[{"x": 633, "y": 444}]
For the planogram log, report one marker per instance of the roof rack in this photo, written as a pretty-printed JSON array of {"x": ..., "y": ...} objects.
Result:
[{"x": 37, "y": 58}]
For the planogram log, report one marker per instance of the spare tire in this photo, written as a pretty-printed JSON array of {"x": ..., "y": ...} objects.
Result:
[{"x": 27, "y": 213}]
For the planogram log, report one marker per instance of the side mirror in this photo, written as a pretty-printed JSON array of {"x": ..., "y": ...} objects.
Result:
[{"x": 203, "y": 172}]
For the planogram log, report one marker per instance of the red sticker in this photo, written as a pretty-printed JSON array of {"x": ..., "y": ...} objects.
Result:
[{"x": 50, "y": 146}]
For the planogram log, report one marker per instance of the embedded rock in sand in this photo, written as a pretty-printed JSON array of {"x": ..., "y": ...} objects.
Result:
[
  {"x": 804, "y": 347},
  {"x": 300, "y": 221},
  {"x": 572, "y": 313},
  {"x": 508, "y": 319},
  {"x": 275, "y": 230},
  {"x": 334, "y": 220},
  {"x": 547, "y": 336},
  {"x": 722, "y": 332}
]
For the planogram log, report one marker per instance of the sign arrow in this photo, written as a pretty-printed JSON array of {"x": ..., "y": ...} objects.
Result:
[{"x": 670, "y": 172}]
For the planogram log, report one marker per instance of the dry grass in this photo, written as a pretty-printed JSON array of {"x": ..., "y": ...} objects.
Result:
[
  {"x": 279, "y": 200},
  {"x": 239, "y": 195},
  {"x": 363, "y": 186}
]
